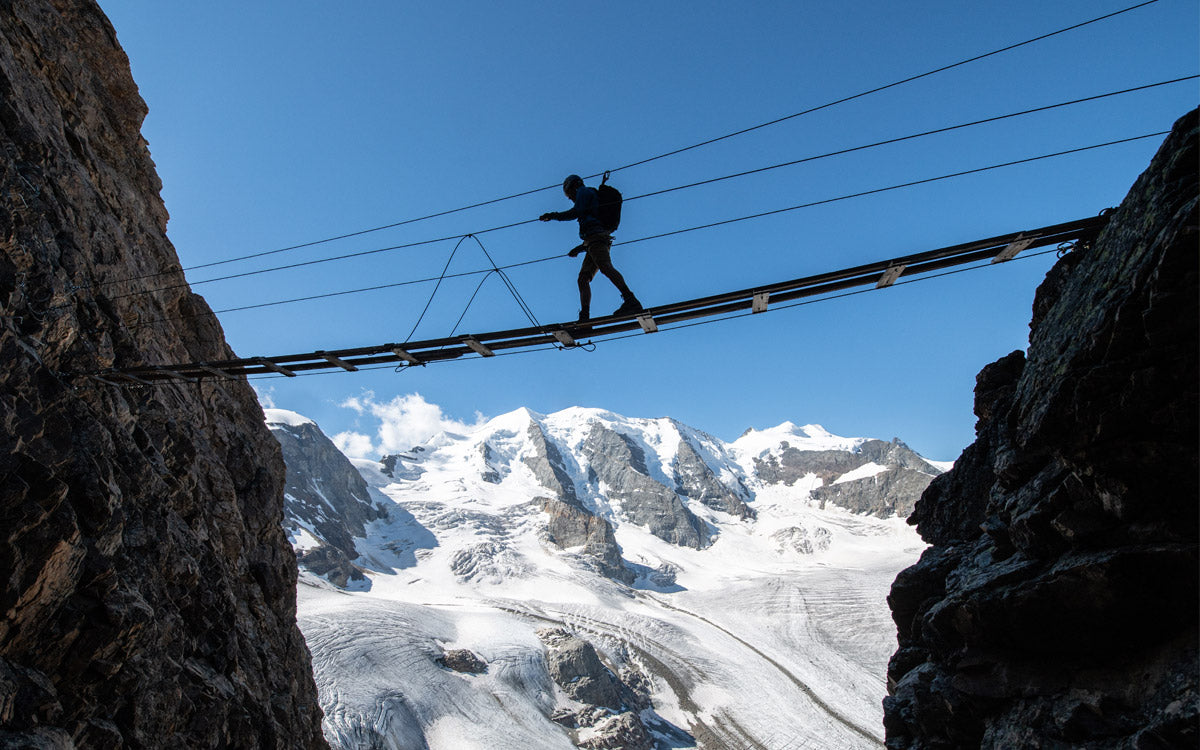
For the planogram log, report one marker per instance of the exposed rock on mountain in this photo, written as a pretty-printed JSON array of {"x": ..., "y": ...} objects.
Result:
[
  {"x": 571, "y": 524},
  {"x": 1058, "y": 604},
  {"x": 403, "y": 465},
  {"x": 620, "y": 464},
  {"x": 695, "y": 480},
  {"x": 148, "y": 594},
  {"x": 325, "y": 496},
  {"x": 462, "y": 660},
  {"x": 893, "y": 491},
  {"x": 802, "y": 540},
  {"x": 607, "y": 718}
]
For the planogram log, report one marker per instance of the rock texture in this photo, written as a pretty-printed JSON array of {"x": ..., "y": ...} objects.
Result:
[
  {"x": 570, "y": 523},
  {"x": 696, "y": 481},
  {"x": 147, "y": 592},
  {"x": 620, "y": 464},
  {"x": 325, "y": 495},
  {"x": 608, "y": 714},
  {"x": 894, "y": 490},
  {"x": 462, "y": 660},
  {"x": 1057, "y": 606}
]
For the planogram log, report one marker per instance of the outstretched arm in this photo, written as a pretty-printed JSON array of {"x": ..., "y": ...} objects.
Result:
[{"x": 586, "y": 200}]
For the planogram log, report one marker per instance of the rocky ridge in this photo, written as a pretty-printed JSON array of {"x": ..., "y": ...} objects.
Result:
[
  {"x": 613, "y": 471},
  {"x": 603, "y": 710},
  {"x": 325, "y": 496},
  {"x": 148, "y": 594},
  {"x": 620, "y": 464},
  {"x": 1057, "y": 606}
]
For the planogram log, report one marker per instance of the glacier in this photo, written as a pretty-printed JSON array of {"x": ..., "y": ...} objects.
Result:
[{"x": 768, "y": 630}]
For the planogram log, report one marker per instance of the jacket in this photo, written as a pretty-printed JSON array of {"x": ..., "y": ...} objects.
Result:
[{"x": 586, "y": 208}]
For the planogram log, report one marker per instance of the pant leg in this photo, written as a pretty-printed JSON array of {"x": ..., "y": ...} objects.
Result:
[
  {"x": 587, "y": 272},
  {"x": 599, "y": 250}
]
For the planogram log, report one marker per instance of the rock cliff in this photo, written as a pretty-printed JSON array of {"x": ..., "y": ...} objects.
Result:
[
  {"x": 620, "y": 464},
  {"x": 147, "y": 591},
  {"x": 325, "y": 497},
  {"x": 570, "y": 523},
  {"x": 1057, "y": 606}
]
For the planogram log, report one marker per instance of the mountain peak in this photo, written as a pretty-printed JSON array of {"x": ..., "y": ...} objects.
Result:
[{"x": 285, "y": 417}]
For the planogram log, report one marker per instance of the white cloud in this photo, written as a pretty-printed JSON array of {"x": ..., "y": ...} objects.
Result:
[
  {"x": 355, "y": 444},
  {"x": 265, "y": 396},
  {"x": 404, "y": 421}
]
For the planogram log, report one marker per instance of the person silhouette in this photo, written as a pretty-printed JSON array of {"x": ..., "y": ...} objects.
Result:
[{"x": 597, "y": 246}]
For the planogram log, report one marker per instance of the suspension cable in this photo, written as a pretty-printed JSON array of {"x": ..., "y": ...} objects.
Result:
[
  {"x": 673, "y": 152},
  {"x": 418, "y": 243},
  {"x": 684, "y": 230}
]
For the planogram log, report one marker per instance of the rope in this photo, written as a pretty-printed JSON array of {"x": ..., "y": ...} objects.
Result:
[
  {"x": 436, "y": 286},
  {"x": 885, "y": 87},
  {"x": 674, "y": 232},
  {"x": 894, "y": 187},
  {"x": 590, "y": 345},
  {"x": 486, "y": 274},
  {"x": 511, "y": 287},
  {"x": 674, "y": 152},
  {"x": 362, "y": 253},
  {"x": 901, "y": 139}
]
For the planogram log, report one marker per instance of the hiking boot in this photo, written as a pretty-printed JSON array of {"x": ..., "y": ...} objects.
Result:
[
  {"x": 629, "y": 307},
  {"x": 582, "y": 329}
]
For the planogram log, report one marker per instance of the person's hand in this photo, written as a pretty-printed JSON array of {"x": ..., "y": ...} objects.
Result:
[
  {"x": 545, "y": 217},
  {"x": 575, "y": 251}
]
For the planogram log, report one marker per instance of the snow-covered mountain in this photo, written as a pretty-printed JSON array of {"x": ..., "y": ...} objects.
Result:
[{"x": 584, "y": 579}]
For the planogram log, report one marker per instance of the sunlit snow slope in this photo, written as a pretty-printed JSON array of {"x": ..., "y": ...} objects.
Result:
[{"x": 739, "y": 612}]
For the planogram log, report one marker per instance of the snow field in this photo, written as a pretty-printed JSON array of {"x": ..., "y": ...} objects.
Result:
[{"x": 758, "y": 645}]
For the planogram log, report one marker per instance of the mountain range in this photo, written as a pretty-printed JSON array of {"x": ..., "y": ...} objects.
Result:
[{"x": 585, "y": 579}]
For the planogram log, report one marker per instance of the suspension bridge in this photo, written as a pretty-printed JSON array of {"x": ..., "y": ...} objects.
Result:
[{"x": 757, "y": 299}]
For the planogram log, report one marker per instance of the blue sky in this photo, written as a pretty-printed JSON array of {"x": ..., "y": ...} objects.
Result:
[{"x": 274, "y": 124}]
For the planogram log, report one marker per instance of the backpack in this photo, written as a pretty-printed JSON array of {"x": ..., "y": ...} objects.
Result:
[{"x": 609, "y": 212}]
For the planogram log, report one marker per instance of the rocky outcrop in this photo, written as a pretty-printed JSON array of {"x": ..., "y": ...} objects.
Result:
[
  {"x": 1057, "y": 606},
  {"x": 403, "y": 465},
  {"x": 462, "y": 660},
  {"x": 696, "y": 481},
  {"x": 620, "y": 464},
  {"x": 802, "y": 540},
  {"x": 546, "y": 463},
  {"x": 827, "y": 465},
  {"x": 148, "y": 592},
  {"x": 903, "y": 475},
  {"x": 606, "y": 708},
  {"x": 793, "y": 464},
  {"x": 570, "y": 526},
  {"x": 570, "y": 523},
  {"x": 891, "y": 492},
  {"x": 324, "y": 495}
]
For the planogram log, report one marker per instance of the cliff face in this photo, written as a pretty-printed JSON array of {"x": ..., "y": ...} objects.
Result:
[
  {"x": 1057, "y": 606},
  {"x": 147, "y": 591}
]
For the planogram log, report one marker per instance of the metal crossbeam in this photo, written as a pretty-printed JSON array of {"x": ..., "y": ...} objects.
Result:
[
  {"x": 339, "y": 362},
  {"x": 889, "y": 276},
  {"x": 1010, "y": 251},
  {"x": 756, "y": 299}
]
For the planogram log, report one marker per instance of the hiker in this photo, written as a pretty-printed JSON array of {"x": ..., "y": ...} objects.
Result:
[{"x": 597, "y": 244}]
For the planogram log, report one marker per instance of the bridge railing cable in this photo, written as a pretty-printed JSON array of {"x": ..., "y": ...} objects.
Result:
[
  {"x": 793, "y": 162},
  {"x": 695, "y": 228},
  {"x": 882, "y": 273},
  {"x": 678, "y": 316},
  {"x": 673, "y": 152}
]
